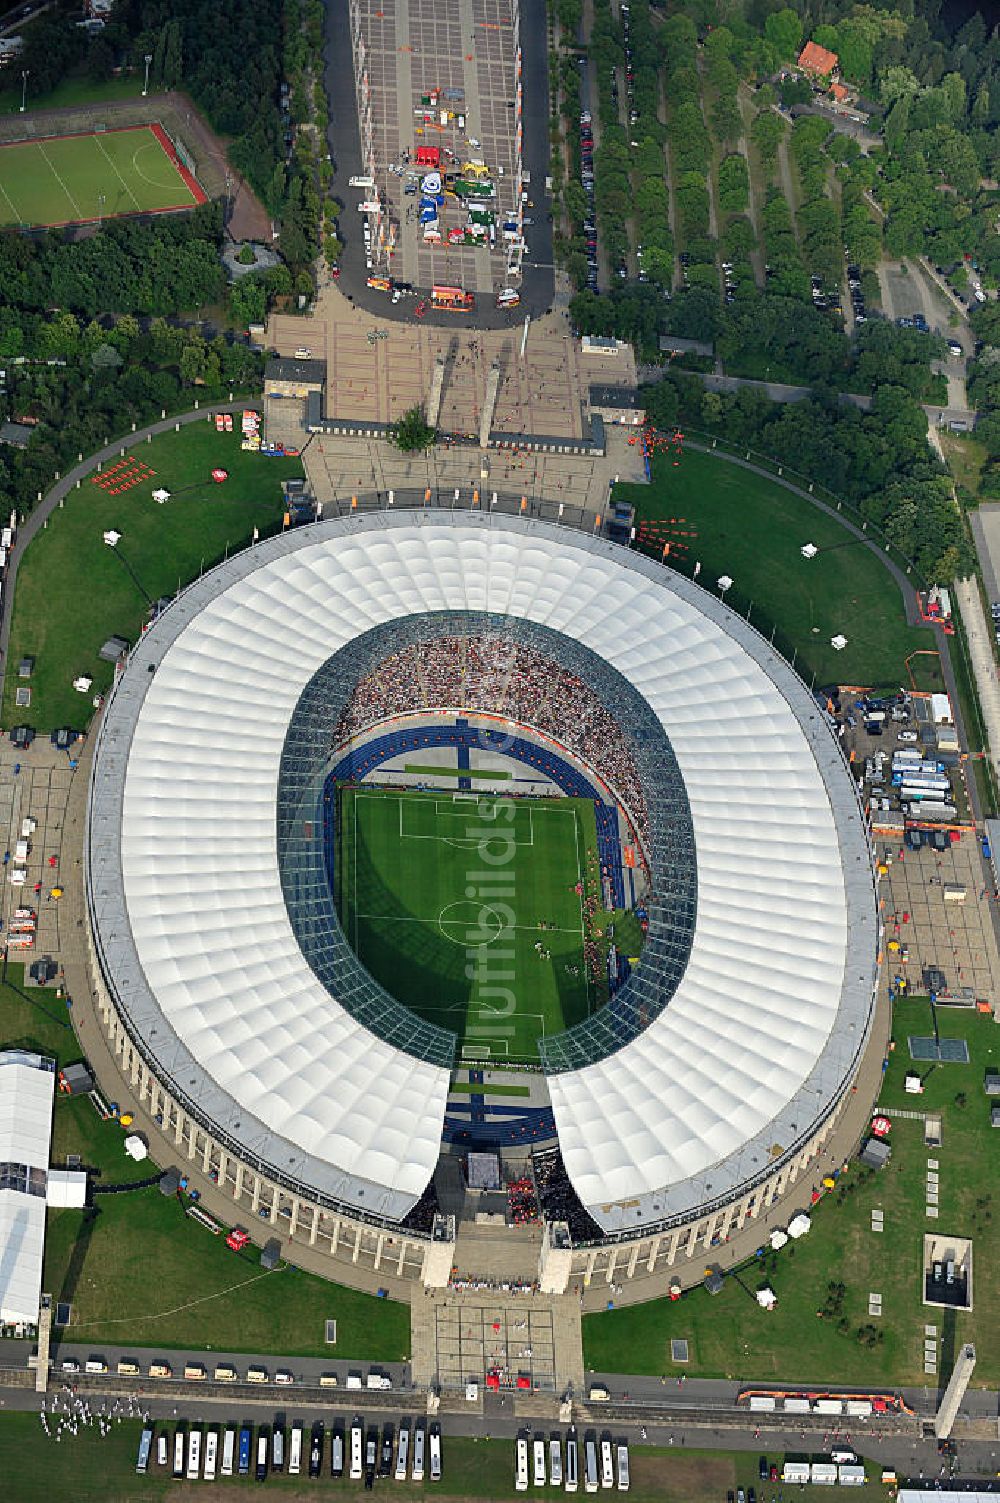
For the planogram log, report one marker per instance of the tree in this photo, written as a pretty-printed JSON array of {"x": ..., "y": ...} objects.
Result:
[
  {"x": 783, "y": 29},
  {"x": 413, "y": 433}
]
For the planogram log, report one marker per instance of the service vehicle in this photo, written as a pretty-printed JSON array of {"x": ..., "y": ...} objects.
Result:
[
  {"x": 211, "y": 1454},
  {"x": 145, "y": 1446},
  {"x": 607, "y": 1462},
  {"x": 402, "y": 1451},
  {"x": 621, "y": 1456},
  {"x": 357, "y": 1451},
  {"x": 194, "y": 1372},
  {"x": 295, "y": 1451},
  {"x": 538, "y": 1462},
  {"x": 179, "y": 1453},
  {"x": 246, "y": 1440},
  {"x": 371, "y": 1458},
  {"x": 419, "y": 1439},
  {"x": 521, "y": 1465},
  {"x": 161, "y": 1450},
  {"x": 385, "y": 1455},
  {"x": 555, "y": 1461},
  {"x": 128, "y": 1368},
  {"x": 193, "y": 1456},
  {"x": 262, "y": 1440},
  {"x": 316, "y": 1448},
  {"x": 435, "y": 1434},
  {"x": 278, "y": 1448},
  {"x": 572, "y": 1462},
  {"x": 228, "y": 1451},
  {"x": 337, "y": 1449}
]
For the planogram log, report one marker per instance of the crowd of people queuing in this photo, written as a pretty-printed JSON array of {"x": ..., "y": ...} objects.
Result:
[
  {"x": 496, "y": 674},
  {"x": 522, "y": 1205}
]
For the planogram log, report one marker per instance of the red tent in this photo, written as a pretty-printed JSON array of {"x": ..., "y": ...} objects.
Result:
[{"x": 428, "y": 156}]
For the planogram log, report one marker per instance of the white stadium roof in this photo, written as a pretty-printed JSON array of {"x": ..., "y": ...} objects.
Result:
[{"x": 770, "y": 1017}]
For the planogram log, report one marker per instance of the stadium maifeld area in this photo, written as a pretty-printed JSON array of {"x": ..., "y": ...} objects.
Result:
[
  {"x": 79, "y": 178},
  {"x": 722, "y": 1054}
]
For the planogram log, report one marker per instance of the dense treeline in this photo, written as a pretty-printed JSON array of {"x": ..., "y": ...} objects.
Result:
[
  {"x": 80, "y": 366},
  {"x": 880, "y": 459}
]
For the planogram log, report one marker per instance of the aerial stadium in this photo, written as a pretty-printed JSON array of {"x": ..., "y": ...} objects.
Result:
[{"x": 404, "y": 795}]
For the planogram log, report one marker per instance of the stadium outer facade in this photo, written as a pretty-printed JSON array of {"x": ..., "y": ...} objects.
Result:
[{"x": 306, "y": 1119}]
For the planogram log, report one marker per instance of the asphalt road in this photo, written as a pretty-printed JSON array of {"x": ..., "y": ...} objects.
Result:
[{"x": 909, "y": 1455}]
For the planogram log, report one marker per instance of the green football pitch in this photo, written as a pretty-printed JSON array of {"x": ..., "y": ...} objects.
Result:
[
  {"x": 73, "y": 179},
  {"x": 444, "y": 898}
]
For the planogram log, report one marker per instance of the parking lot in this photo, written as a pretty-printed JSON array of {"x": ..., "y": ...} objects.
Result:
[
  {"x": 442, "y": 76},
  {"x": 938, "y": 893}
]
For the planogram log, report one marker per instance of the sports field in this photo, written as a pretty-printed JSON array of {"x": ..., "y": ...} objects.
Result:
[
  {"x": 444, "y": 898},
  {"x": 73, "y": 179}
]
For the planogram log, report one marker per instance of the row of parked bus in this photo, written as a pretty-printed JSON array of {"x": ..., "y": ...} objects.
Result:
[
  {"x": 355, "y": 1451},
  {"x": 597, "y": 1462}
]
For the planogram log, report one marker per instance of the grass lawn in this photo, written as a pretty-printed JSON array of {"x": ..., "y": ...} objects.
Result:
[
  {"x": 404, "y": 866},
  {"x": 72, "y": 91},
  {"x": 73, "y": 592},
  {"x": 85, "y": 1468},
  {"x": 731, "y": 1336},
  {"x": 73, "y": 179},
  {"x": 142, "y": 1273},
  {"x": 965, "y": 456},
  {"x": 752, "y": 529}
]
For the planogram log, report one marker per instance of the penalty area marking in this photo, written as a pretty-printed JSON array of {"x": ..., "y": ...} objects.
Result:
[{"x": 175, "y": 176}]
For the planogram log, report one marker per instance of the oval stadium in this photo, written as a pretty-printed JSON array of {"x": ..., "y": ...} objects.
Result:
[{"x": 430, "y": 851}]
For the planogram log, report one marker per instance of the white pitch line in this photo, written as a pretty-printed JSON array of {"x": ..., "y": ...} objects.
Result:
[
  {"x": 392, "y": 918},
  {"x": 79, "y": 212},
  {"x": 114, "y": 168},
  {"x": 13, "y": 205}
]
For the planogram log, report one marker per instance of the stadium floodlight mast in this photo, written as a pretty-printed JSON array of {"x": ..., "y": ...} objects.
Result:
[
  {"x": 24, "y": 88},
  {"x": 145, "y": 87}
]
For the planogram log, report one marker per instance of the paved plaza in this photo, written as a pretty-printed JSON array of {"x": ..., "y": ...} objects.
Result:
[
  {"x": 958, "y": 938},
  {"x": 456, "y": 1337},
  {"x": 39, "y": 790},
  {"x": 543, "y": 393},
  {"x": 467, "y": 48}
]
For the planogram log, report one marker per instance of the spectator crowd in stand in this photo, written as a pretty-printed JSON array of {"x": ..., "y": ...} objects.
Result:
[
  {"x": 557, "y": 1198},
  {"x": 496, "y": 674}
]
